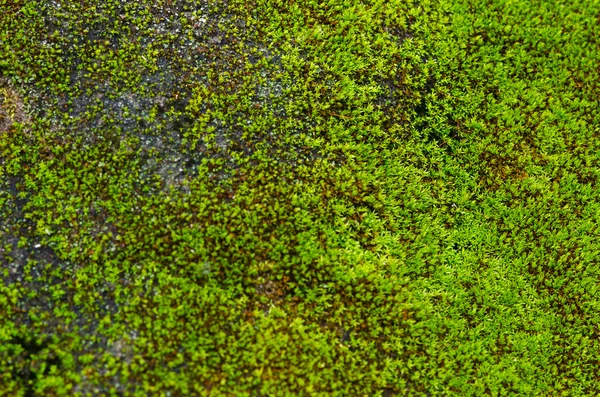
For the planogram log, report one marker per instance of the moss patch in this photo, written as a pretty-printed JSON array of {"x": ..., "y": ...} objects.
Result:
[{"x": 278, "y": 198}]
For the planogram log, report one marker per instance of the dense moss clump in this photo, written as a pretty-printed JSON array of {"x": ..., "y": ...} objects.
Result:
[{"x": 279, "y": 198}]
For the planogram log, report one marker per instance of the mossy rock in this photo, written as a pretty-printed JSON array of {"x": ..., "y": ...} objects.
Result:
[{"x": 360, "y": 198}]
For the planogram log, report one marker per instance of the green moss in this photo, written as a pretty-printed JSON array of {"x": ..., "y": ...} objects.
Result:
[{"x": 270, "y": 198}]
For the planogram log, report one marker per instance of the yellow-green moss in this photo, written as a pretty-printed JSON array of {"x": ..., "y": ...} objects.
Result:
[{"x": 345, "y": 198}]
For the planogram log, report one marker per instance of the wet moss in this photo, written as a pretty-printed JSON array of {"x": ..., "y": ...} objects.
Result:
[{"x": 270, "y": 198}]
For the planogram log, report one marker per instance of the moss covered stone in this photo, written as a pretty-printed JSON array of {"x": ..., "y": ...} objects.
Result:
[{"x": 278, "y": 198}]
